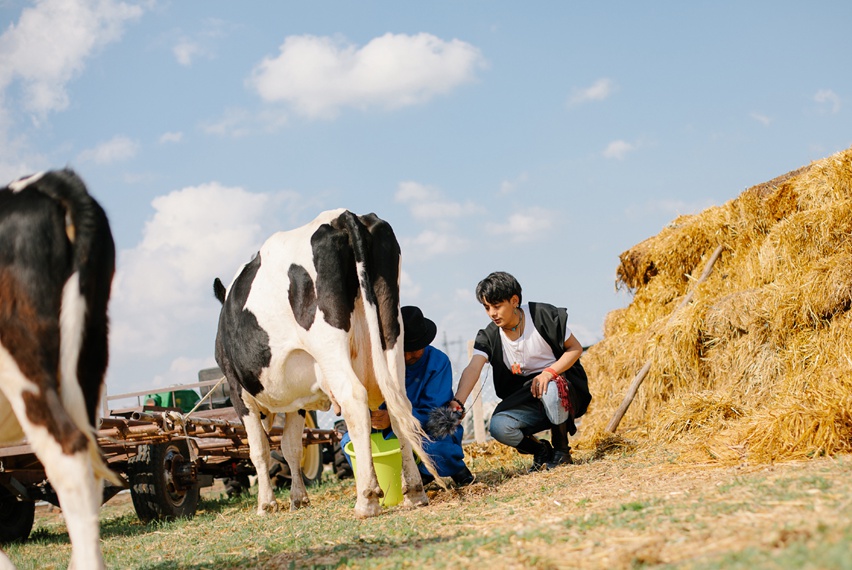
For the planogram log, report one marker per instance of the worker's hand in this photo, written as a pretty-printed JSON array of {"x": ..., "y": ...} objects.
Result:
[
  {"x": 380, "y": 419},
  {"x": 539, "y": 384},
  {"x": 456, "y": 406}
]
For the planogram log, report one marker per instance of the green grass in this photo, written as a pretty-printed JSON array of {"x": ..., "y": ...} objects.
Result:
[{"x": 614, "y": 512}]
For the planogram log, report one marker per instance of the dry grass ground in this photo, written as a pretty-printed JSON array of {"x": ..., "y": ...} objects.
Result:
[{"x": 621, "y": 510}]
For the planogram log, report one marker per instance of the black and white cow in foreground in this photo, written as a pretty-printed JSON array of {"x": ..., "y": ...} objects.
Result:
[
  {"x": 57, "y": 260},
  {"x": 313, "y": 319}
]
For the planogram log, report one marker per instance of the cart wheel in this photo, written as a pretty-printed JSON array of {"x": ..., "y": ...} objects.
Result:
[
  {"x": 341, "y": 466},
  {"x": 163, "y": 485},
  {"x": 16, "y": 517},
  {"x": 236, "y": 486},
  {"x": 312, "y": 465}
]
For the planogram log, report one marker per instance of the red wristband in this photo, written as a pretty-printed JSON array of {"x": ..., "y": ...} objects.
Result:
[{"x": 552, "y": 372}]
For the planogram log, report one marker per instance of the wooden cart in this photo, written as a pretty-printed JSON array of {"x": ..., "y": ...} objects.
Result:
[{"x": 164, "y": 455}]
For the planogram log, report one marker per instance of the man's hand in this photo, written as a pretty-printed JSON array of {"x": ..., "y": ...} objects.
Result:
[
  {"x": 539, "y": 384},
  {"x": 456, "y": 405},
  {"x": 380, "y": 419}
]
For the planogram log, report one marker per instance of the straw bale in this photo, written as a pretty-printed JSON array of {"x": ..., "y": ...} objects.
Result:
[
  {"x": 733, "y": 315},
  {"x": 799, "y": 428},
  {"x": 697, "y": 417},
  {"x": 762, "y": 206},
  {"x": 805, "y": 237},
  {"x": 675, "y": 252},
  {"x": 812, "y": 296},
  {"x": 758, "y": 366},
  {"x": 828, "y": 180},
  {"x": 746, "y": 366}
]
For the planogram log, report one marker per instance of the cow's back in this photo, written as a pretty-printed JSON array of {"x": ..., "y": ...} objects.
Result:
[{"x": 34, "y": 254}]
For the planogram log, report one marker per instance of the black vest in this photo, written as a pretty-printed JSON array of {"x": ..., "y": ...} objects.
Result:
[{"x": 514, "y": 389}]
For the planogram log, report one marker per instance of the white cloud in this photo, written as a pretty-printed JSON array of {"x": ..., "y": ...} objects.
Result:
[
  {"x": 233, "y": 123},
  {"x": 427, "y": 203},
  {"x": 598, "y": 91},
  {"x": 171, "y": 137},
  {"x": 189, "y": 47},
  {"x": 50, "y": 43},
  {"x": 14, "y": 159},
  {"x": 618, "y": 149},
  {"x": 828, "y": 98},
  {"x": 183, "y": 370},
  {"x": 762, "y": 119},
  {"x": 509, "y": 186},
  {"x": 197, "y": 233},
  {"x": 318, "y": 76},
  {"x": 408, "y": 289},
  {"x": 238, "y": 123},
  {"x": 524, "y": 225},
  {"x": 463, "y": 294},
  {"x": 117, "y": 149},
  {"x": 430, "y": 243},
  {"x": 185, "y": 51}
]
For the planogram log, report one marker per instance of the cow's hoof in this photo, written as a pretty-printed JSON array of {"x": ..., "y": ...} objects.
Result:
[
  {"x": 415, "y": 499},
  {"x": 406, "y": 489},
  {"x": 296, "y": 504},
  {"x": 370, "y": 509},
  {"x": 272, "y": 507}
]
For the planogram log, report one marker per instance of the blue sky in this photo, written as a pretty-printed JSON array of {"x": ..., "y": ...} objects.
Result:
[{"x": 543, "y": 139}]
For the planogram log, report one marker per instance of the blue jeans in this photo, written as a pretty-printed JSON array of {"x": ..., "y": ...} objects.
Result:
[{"x": 509, "y": 427}]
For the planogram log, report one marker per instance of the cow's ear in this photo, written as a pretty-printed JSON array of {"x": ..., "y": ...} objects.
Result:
[{"x": 219, "y": 290}]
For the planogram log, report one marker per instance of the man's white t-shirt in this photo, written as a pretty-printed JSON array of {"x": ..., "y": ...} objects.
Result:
[{"x": 531, "y": 351}]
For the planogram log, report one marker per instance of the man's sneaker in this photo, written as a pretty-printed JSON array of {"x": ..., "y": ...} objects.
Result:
[
  {"x": 560, "y": 458},
  {"x": 541, "y": 457},
  {"x": 426, "y": 478},
  {"x": 464, "y": 477}
]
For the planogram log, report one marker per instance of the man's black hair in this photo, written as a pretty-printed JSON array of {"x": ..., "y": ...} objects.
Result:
[{"x": 498, "y": 286}]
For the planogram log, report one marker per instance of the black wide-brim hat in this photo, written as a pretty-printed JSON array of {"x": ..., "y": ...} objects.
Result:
[{"x": 419, "y": 331}]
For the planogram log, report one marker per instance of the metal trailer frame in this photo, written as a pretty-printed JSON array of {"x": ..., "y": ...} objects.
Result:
[{"x": 164, "y": 456}]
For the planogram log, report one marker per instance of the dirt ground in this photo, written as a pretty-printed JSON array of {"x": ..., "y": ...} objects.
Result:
[
  {"x": 618, "y": 511},
  {"x": 118, "y": 505},
  {"x": 629, "y": 512}
]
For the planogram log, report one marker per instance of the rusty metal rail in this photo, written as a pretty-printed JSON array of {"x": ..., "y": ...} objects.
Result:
[{"x": 220, "y": 436}]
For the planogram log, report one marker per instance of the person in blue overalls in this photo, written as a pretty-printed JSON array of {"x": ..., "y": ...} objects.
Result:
[{"x": 429, "y": 385}]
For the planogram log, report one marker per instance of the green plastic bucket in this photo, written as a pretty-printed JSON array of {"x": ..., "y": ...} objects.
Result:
[{"x": 387, "y": 461}]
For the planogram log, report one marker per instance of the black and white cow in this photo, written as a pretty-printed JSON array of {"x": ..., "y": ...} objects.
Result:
[
  {"x": 57, "y": 260},
  {"x": 313, "y": 319}
]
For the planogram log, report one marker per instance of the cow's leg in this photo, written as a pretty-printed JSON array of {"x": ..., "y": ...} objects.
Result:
[
  {"x": 292, "y": 448},
  {"x": 412, "y": 483},
  {"x": 357, "y": 415},
  {"x": 10, "y": 430},
  {"x": 259, "y": 452},
  {"x": 67, "y": 463},
  {"x": 80, "y": 496}
]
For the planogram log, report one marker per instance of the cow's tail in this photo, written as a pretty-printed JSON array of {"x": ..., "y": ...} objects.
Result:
[
  {"x": 83, "y": 315},
  {"x": 377, "y": 256}
]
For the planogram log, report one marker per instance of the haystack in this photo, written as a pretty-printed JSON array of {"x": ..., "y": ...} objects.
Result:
[{"x": 757, "y": 367}]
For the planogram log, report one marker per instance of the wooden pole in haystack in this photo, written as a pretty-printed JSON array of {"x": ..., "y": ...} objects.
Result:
[
  {"x": 478, "y": 412},
  {"x": 637, "y": 380}
]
